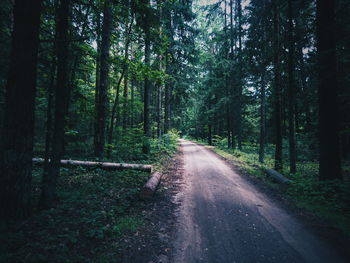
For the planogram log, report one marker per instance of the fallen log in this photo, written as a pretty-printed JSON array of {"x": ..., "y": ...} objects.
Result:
[
  {"x": 150, "y": 187},
  {"x": 102, "y": 165},
  {"x": 277, "y": 176}
]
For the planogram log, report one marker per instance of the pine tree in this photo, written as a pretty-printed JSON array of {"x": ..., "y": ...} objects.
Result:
[{"x": 16, "y": 149}]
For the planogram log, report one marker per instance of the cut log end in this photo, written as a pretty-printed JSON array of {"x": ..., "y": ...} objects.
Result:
[
  {"x": 277, "y": 176},
  {"x": 150, "y": 187}
]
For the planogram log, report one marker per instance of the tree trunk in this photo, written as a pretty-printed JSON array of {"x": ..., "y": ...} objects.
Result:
[
  {"x": 48, "y": 194},
  {"x": 114, "y": 113},
  {"x": 97, "y": 72},
  {"x": 168, "y": 68},
  {"x": 102, "y": 165},
  {"x": 125, "y": 97},
  {"x": 262, "y": 119},
  {"x": 228, "y": 124},
  {"x": 147, "y": 91},
  {"x": 18, "y": 128},
  {"x": 126, "y": 70},
  {"x": 305, "y": 107},
  {"x": 330, "y": 162},
  {"x": 167, "y": 98},
  {"x": 227, "y": 84},
  {"x": 103, "y": 89},
  {"x": 240, "y": 77},
  {"x": 159, "y": 106},
  {"x": 233, "y": 102},
  {"x": 125, "y": 93},
  {"x": 132, "y": 104},
  {"x": 50, "y": 98},
  {"x": 291, "y": 90},
  {"x": 277, "y": 88},
  {"x": 210, "y": 137},
  {"x": 150, "y": 186}
]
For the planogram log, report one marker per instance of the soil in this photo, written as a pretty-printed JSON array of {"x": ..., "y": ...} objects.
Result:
[
  {"x": 209, "y": 210},
  {"x": 226, "y": 217},
  {"x": 153, "y": 243},
  {"x": 318, "y": 226},
  {"x": 99, "y": 218}
]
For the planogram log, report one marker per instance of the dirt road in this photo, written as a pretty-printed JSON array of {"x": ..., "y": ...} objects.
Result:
[{"x": 224, "y": 218}]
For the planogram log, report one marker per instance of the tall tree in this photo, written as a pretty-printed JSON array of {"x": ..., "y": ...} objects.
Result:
[
  {"x": 240, "y": 75},
  {"x": 168, "y": 29},
  {"x": 126, "y": 65},
  {"x": 97, "y": 70},
  {"x": 52, "y": 170},
  {"x": 291, "y": 90},
  {"x": 262, "y": 134},
  {"x": 226, "y": 76},
  {"x": 16, "y": 149},
  {"x": 232, "y": 88},
  {"x": 147, "y": 84},
  {"x": 102, "y": 101},
  {"x": 330, "y": 162},
  {"x": 277, "y": 86}
]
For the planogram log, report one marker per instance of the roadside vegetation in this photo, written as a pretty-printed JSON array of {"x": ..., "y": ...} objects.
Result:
[
  {"x": 97, "y": 210},
  {"x": 108, "y": 80},
  {"x": 328, "y": 200}
]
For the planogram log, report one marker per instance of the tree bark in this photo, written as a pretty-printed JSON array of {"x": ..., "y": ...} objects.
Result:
[
  {"x": 227, "y": 84},
  {"x": 125, "y": 97},
  {"x": 291, "y": 90},
  {"x": 18, "y": 128},
  {"x": 262, "y": 119},
  {"x": 277, "y": 88},
  {"x": 233, "y": 121},
  {"x": 210, "y": 137},
  {"x": 50, "y": 99},
  {"x": 103, "y": 89},
  {"x": 167, "y": 96},
  {"x": 48, "y": 194},
  {"x": 114, "y": 114},
  {"x": 150, "y": 186},
  {"x": 159, "y": 108},
  {"x": 102, "y": 165},
  {"x": 147, "y": 87},
  {"x": 126, "y": 70},
  {"x": 277, "y": 176},
  {"x": 97, "y": 71},
  {"x": 116, "y": 99},
  {"x": 330, "y": 162},
  {"x": 132, "y": 103},
  {"x": 240, "y": 76}
]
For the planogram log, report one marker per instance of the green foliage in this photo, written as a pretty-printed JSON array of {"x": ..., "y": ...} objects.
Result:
[
  {"x": 126, "y": 224},
  {"x": 218, "y": 140},
  {"x": 327, "y": 199},
  {"x": 165, "y": 145},
  {"x": 128, "y": 144},
  {"x": 97, "y": 208}
]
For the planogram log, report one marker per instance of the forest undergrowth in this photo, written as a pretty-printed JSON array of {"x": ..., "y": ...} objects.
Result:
[{"x": 96, "y": 212}]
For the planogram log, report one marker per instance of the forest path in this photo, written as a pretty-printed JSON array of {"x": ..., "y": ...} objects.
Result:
[{"x": 225, "y": 218}]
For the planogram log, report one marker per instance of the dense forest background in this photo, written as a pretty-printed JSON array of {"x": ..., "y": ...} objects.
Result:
[{"x": 110, "y": 80}]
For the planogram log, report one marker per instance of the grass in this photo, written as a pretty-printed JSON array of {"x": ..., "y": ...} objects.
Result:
[
  {"x": 329, "y": 200},
  {"x": 127, "y": 224},
  {"x": 97, "y": 211}
]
